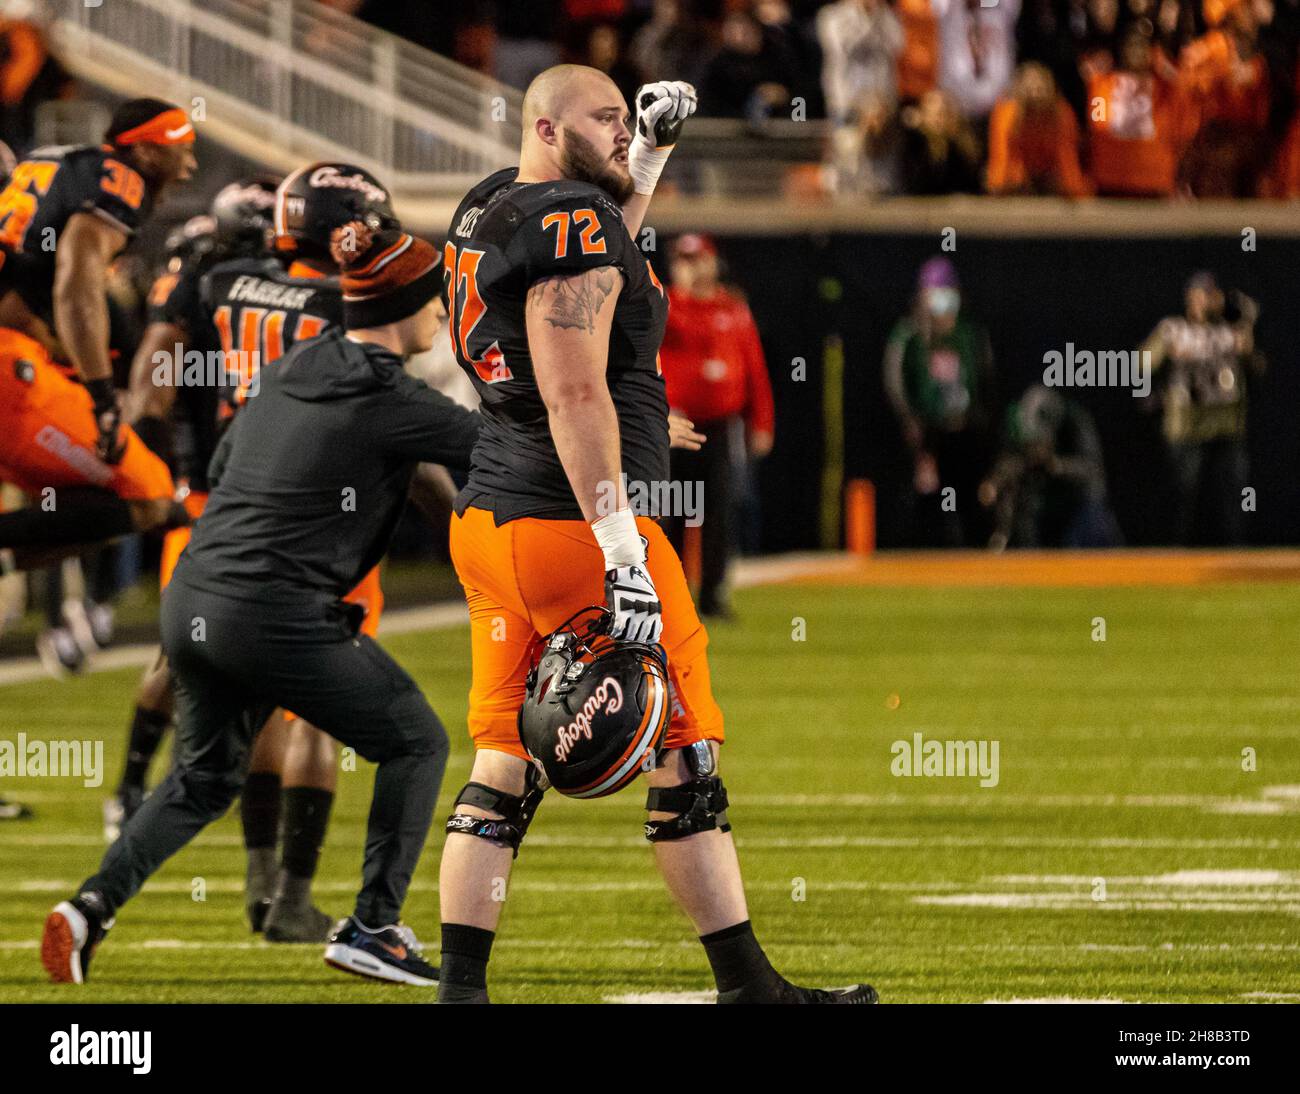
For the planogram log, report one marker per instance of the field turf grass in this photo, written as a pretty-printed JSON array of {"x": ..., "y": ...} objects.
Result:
[{"x": 1124, "y": 853}]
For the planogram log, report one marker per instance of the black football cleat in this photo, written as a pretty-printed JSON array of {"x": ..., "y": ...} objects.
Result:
[
  {"x": 258, "y": 909},
  {"x": 259, "y": 887},
  {"x": 858, "y": 993},
  {"x": 392, "y": 954},
  {"x": 286, "y": 921},
  {"x": 774, "y": 988},
  {"x": 73, "y": 931},
  {"x": 451, "y": 994}
]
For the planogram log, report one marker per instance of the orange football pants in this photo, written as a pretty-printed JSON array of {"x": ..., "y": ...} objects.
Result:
[
  {"x": 526, "y": 577},
  {"x": 177, "y": 539},
  {"x": 48, "y": 433}
]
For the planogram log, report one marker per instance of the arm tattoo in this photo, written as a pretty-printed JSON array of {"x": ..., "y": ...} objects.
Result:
[{"x": 570, "y": 301}]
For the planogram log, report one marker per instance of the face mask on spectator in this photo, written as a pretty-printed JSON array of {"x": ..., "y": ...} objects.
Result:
[{"x": 943, "y": 301}]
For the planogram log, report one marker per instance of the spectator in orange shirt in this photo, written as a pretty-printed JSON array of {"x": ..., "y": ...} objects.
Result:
[
  {"x": 1034, "y": 139},
  {"x": 1224, "y": 68},
  {"x": 1137, "y": 121},
  {"x": 1227, "y": 81},
  {"x": 1283, "y": 180},
  {"x": 918, "y": 61},
  {"x": 29, "y": 75},
  {"x": 716, "y": 375}
]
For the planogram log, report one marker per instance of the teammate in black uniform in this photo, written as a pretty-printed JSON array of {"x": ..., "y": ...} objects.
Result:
[
  {"x": 556, "y": 317},
  {"x": 254, "y": 306},
  {"x": 65, "y": 214},
  {"x": 261, "y": 305},
  {"x": 254, "y": 619},
  {"x": 173, "y": 406}
]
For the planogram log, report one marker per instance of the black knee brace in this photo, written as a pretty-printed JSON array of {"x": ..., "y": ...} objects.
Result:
[
  {"x": 516, "y": 813},
  {"x": 700, "y": 804}
]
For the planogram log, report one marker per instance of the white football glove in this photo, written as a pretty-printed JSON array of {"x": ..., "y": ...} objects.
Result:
[
  {"x": 629, "y": 592},
  {"x": 631, "y": 598},
  {"x": 661, "y": 109}
]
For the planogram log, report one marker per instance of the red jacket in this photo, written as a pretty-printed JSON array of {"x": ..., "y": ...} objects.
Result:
[{"x": 713, "y": 361}]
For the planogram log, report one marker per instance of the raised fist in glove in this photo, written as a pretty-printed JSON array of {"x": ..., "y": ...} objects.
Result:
[
  {"x": 109, "y": 445},
  {"x": 661, "y": 110},
  {"x": 631, "y": 598}
]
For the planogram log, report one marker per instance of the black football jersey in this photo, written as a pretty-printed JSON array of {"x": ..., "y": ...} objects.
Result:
[
  {"x": 44, "y": 191},
  {"x": 174, "y": 299},
  {"x": 504, "y": 237},
  {"x": 258, "y": 311}
]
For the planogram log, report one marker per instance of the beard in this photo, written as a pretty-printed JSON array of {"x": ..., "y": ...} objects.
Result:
[{"x": 579, "y": 160}]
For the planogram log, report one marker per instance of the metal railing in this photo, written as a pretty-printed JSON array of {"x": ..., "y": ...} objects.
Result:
[{"x": 287, "y": 80}]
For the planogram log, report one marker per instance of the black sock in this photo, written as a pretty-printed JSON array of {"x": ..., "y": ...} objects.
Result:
[
  {"x": 306, "y": 816},
  {"x": 82, "y": 516},
  {"x": 104, "y": 562},
  {"x": 54, "y": 595},
  {"x": 147, "y": 729},
  {"x": 259, "y": 810},
  {"x": 736, "y": 956},
  {"x": 465, "y": 953}
]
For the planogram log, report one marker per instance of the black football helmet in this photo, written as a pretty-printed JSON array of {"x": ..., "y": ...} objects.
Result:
[
  {"x": 193, "y": 239},
  {"x": 595, "y": 709},
  {"x": 320, "y": 197},
  {"x": 244, "y": 212}
]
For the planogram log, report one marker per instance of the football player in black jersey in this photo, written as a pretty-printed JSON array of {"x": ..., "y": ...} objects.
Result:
[
  {"x": 557, "y": 318},
  {"x": 65, "y": 214},
  {"x": 175, "y": 412},
  {"x": 254, "y": 617},
  {"x": 253, "y": 305},
  {"x": 261, "y": 306}
]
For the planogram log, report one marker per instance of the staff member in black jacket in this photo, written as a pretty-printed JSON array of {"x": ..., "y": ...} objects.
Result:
[{"x": 308, "y": 485}]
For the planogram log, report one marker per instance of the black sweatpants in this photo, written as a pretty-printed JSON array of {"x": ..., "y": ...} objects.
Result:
[
  {"x": 711, "y": 467},
  {"x": 233, "y": 662}
]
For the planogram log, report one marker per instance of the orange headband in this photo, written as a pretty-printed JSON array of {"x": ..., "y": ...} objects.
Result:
[{"x": 169, "y": 127}]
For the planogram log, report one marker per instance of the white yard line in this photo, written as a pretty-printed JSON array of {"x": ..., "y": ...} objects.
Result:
[
  {"x": 1058, "y": 999},
  {"x": 1279, "y": 799},
  {"x": 11, "y": 838},
  {"x": 20, "y": 944},
  {"x": 1071, "y": 903},
  {"x": 661, "y": 997},
  {"x": 1252, "y": 879},
  {"x": 745, "y": 573},
  {"x": 27, "y": 670}
]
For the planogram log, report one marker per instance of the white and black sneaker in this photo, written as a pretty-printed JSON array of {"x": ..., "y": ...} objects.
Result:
[
  {"x": 391, "y": 953},
  {"x": 73, "y": 930},
  {"x": 102, "y": 619},
  {"x": 119, "y": 809},
  {"x": 11, "y": 810},
  {"x": 59, "y": 651}
]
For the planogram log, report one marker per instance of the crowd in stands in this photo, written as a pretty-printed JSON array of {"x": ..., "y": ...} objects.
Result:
[
  {"x": 29, "y": 76},
  {"x": 1131, "y": 98}
]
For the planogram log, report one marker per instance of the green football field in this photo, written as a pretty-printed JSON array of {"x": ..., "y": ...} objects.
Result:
[{"x": 1142, "y": 841}]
